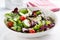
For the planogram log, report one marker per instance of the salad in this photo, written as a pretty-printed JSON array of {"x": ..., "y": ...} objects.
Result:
[{"x": 28, "y": 21}]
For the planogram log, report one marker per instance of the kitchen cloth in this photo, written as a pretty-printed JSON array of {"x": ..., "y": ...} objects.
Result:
[{"x": 43, "y": 3}]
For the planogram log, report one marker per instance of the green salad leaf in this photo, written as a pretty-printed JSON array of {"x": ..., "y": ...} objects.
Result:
[
  {"x": 38, "y": 12},
  {"x": 24, "y": 10},
  {"x": 8, "y": 15},
  {"x": 19, "y": 23}
]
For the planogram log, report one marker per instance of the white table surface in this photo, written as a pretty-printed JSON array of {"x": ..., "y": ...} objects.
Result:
[{"x": 54, "y": 35}]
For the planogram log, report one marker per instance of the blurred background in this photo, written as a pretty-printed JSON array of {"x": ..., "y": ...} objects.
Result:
[{"x": 56, "y": 2}]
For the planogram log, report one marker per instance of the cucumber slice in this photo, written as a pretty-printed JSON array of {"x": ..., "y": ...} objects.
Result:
[
  {"x": 48, "y": 22},
  {"x": 43, "y": 22},
  {"x": 25, "y": 26},
  {"x": 16, "y": 18},
  {"x": 10, "y": 19},
  {"x": 19, "y": 28},
  {"x": 36, "y": 27},
  {"x": 14, "y": 28},
  {"x": 40, "y": 23},
  {"x": 26, "y": 23}
]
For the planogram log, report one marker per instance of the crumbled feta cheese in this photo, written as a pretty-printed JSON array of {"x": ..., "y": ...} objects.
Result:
[{"x": 26, "y": 22}]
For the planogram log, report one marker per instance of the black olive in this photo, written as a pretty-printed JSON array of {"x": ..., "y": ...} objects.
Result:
[{"x": 42, "y": 18}]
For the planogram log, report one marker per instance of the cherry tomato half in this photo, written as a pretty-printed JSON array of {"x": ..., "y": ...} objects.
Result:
[
  {"x": 22, "y": 18},
  {"x": 10, "y": 24}
]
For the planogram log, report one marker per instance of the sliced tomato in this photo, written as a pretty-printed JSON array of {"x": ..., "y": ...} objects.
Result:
[
  {"x": 22, "y": 18},
  {"x": 10, "y": 24},
  {"x": 31, "y": 31}
]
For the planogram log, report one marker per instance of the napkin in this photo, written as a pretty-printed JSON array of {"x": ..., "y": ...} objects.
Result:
[{"x": 43, "y": 3}]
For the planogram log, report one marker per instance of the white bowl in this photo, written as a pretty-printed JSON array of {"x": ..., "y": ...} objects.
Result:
[{"x": 31, "y": 35}]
